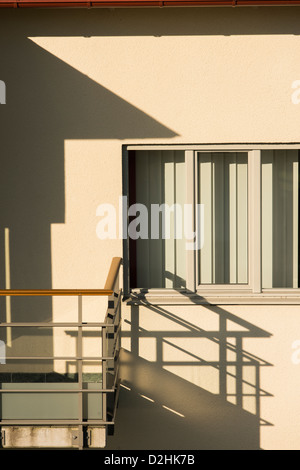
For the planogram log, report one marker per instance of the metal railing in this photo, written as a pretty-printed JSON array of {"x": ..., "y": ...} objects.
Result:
[{"x": 110, "y": 331}]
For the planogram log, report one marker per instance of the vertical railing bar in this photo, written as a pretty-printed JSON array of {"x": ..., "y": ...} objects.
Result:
[
  {"x": 110, "y": 310},
  {"x": 80, "y": 375},
  {"x": 104, "y": 381},
  {"x": 118, "y": 333},
  {"x": 115, "y": 330},
  {"x": 117, "y": 344}
]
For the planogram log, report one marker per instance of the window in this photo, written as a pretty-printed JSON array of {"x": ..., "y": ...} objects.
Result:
[
  {"x": 159, "y": 179},
  {"x": 280, "y": 218},
  {"x": 223, "y": 190},
  {"x": 249, "y": 223}
]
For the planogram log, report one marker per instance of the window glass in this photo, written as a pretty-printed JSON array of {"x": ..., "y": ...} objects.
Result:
[
  {"x": 160, "y": 254},
  {"x": 280, "y": 218},
  {"x": 223, "y": 191}
]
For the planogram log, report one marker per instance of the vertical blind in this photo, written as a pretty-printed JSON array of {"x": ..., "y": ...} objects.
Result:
[
  {"x": 223, "y": 191},
  {"x": 280, "y": 218},
  {"x": 160, "y": 179}
]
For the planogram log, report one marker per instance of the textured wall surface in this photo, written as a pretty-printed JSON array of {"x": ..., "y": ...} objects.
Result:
[{"x": 79, "y": 84}]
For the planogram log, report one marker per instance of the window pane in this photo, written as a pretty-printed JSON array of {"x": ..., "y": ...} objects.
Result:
[
  {"x": 160, "y": 179},
  {"x": 223, "y": 191},
  {"x": 280, "y": 214}
]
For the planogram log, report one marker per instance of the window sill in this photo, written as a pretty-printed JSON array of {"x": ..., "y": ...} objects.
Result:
[{"x": 176, "y": 297}]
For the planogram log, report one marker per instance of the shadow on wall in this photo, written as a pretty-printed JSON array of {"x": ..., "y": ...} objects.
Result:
[
  {"x": 47, "y": 102},
  {"x": 203, "y": 390},
  {"x": 154, "y": 21}
]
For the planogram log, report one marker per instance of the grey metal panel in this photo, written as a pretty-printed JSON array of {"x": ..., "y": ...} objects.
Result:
[{"x": 39, "y": 405}]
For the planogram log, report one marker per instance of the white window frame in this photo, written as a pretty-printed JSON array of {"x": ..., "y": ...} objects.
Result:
[
  {"x": 192, "y": 267},
  {"x": 253, "y": 290}
]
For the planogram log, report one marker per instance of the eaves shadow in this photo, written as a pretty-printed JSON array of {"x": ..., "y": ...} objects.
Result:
[{"x": 183, "y": 21}]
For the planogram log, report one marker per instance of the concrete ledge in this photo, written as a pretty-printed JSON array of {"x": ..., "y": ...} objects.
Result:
[
  {"x": 17, "y": 437},
  {"x": 37, "y": 437},
  {"x": 97, "y": 438}
]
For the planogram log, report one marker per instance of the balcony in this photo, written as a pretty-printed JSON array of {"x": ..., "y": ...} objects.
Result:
[{"x": 61, "y": 401}]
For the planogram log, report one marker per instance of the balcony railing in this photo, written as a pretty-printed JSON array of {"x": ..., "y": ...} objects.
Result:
[{"x": 78, "y": 406}]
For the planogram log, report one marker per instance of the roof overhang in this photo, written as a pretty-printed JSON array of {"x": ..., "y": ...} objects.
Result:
[{"x": 140, "y": 3}]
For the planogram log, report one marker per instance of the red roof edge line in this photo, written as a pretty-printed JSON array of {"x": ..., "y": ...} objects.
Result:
[{"x": 140, "y": 3}]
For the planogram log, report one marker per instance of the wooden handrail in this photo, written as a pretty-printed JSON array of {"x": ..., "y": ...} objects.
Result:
[
  {"x": 113, "y": 273},
  {"x": 52, "y": 292},
  {"x": 108, "y": 288}
]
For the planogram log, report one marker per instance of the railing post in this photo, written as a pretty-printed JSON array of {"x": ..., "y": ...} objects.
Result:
[
  {"x": 80, "y": 375},
  {"x": 116, "y": 319},
  {"x": 104, "y": 374}
]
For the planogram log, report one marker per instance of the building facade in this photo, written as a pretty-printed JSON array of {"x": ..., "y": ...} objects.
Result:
[{"x": 183, "y": 105}]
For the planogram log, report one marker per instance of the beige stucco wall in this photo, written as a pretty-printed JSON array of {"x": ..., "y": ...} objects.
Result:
[
  {"x": 211, "y": 376},
  {"x": 79, "y": 85},
  {"x": 206, "y": 75}
]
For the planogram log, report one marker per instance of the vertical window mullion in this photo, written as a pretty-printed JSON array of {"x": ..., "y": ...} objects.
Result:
[
  {"x": 295, "y": 260},
  {"x": 255, "y": 220},
  {"x": 198, "y": 224},
  {"x": 192, "y": 200}
]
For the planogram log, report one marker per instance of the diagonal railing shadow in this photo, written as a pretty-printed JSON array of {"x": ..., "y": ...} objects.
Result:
[{"x": 181, "y": 365}]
